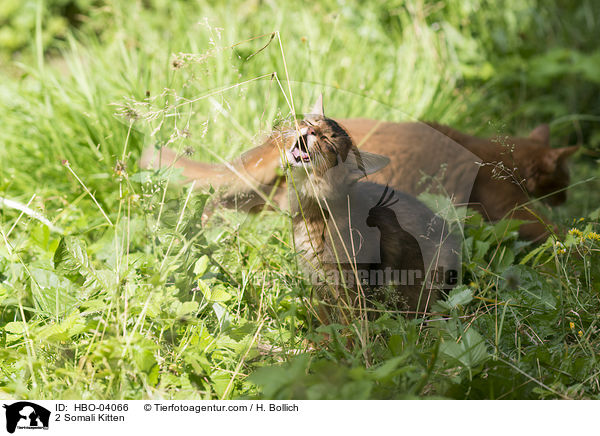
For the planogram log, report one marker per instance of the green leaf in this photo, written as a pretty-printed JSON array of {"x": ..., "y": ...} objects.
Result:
[
  {"x": 219, "y": 295},
  {"x": 469, "y": 350},
  {"x": 201, "y": 266},
  {"x": 396, "y": 344},
  {"x": 187, "y": 308},
  {"x": 63, "y": 331},
  {"x": 388, "y": 368},
  {"x": 16, "y": 327},
  {"x": 503, "y": 260},
  {"x": 216, "y": 295},
  {"x": 153, "y": 376},
  {"x": 220, "y": 381},
  {"x": 70, "y": 256},
  {"x": 52, "y": 333},
  {"x": 480, "y": 248},
  {"x": 459, "y": 296},
  {"x": 535, "y": 251},
  {"x": 144, "y": 359},
  {"x": 504, "y": 228}
]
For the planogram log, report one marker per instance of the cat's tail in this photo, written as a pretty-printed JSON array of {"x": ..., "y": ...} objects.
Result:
[
  {"x": 250, "y": 182},
  {"x": 205, "y": 174}
]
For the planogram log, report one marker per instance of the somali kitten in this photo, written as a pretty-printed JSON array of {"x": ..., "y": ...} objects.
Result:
[{"x": 360, "y": 241}]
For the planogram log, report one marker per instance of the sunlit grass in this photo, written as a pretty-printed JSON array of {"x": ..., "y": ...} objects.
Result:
[{"x": 133, "y": 294}]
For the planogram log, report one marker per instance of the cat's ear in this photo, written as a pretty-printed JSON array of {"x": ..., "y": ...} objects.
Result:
[
  {"x": 556, "y": 156},
  {"x": 541, "y": 134},
  {"x": 317, "y": 108},
  {"x": 362, "y": 163}
]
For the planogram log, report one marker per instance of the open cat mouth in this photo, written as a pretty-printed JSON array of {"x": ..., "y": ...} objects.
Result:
[{"x": 300, "y": 150}]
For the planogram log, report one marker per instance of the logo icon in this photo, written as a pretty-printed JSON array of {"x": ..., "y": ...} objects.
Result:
[{"x": 26, "y": 415}]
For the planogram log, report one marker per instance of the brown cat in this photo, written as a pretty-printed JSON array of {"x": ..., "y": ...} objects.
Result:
[
  {"x": 496, "y": 177},
  {"x": 508, "y": 172},
  {"x": 359, "y": 237},
  {"x": 360, "y": 241}
]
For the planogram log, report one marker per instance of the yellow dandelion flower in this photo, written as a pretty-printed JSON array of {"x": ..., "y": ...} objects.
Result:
[
  {"x": 572, "y": 325},
  {"x": 593, "y": 236},
  {"x": 580, "y": 333},
  {"x": 575, "y": 232}
]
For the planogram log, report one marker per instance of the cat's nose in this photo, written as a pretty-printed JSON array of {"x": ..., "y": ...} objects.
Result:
[{"x": 311, "y": 131}]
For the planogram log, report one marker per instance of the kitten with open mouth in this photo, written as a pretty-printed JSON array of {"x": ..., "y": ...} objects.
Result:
[{"x": 349, "y": 231}]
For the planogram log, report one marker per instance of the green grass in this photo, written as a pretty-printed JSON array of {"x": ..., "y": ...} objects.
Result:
[{"x": 139, "y": 297}]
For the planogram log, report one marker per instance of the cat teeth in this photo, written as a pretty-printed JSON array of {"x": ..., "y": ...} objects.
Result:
[
  {"x": 300, "y": 150},
  {"x": 299, "y": 154},
  {"x": 296, "y": 153}
]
